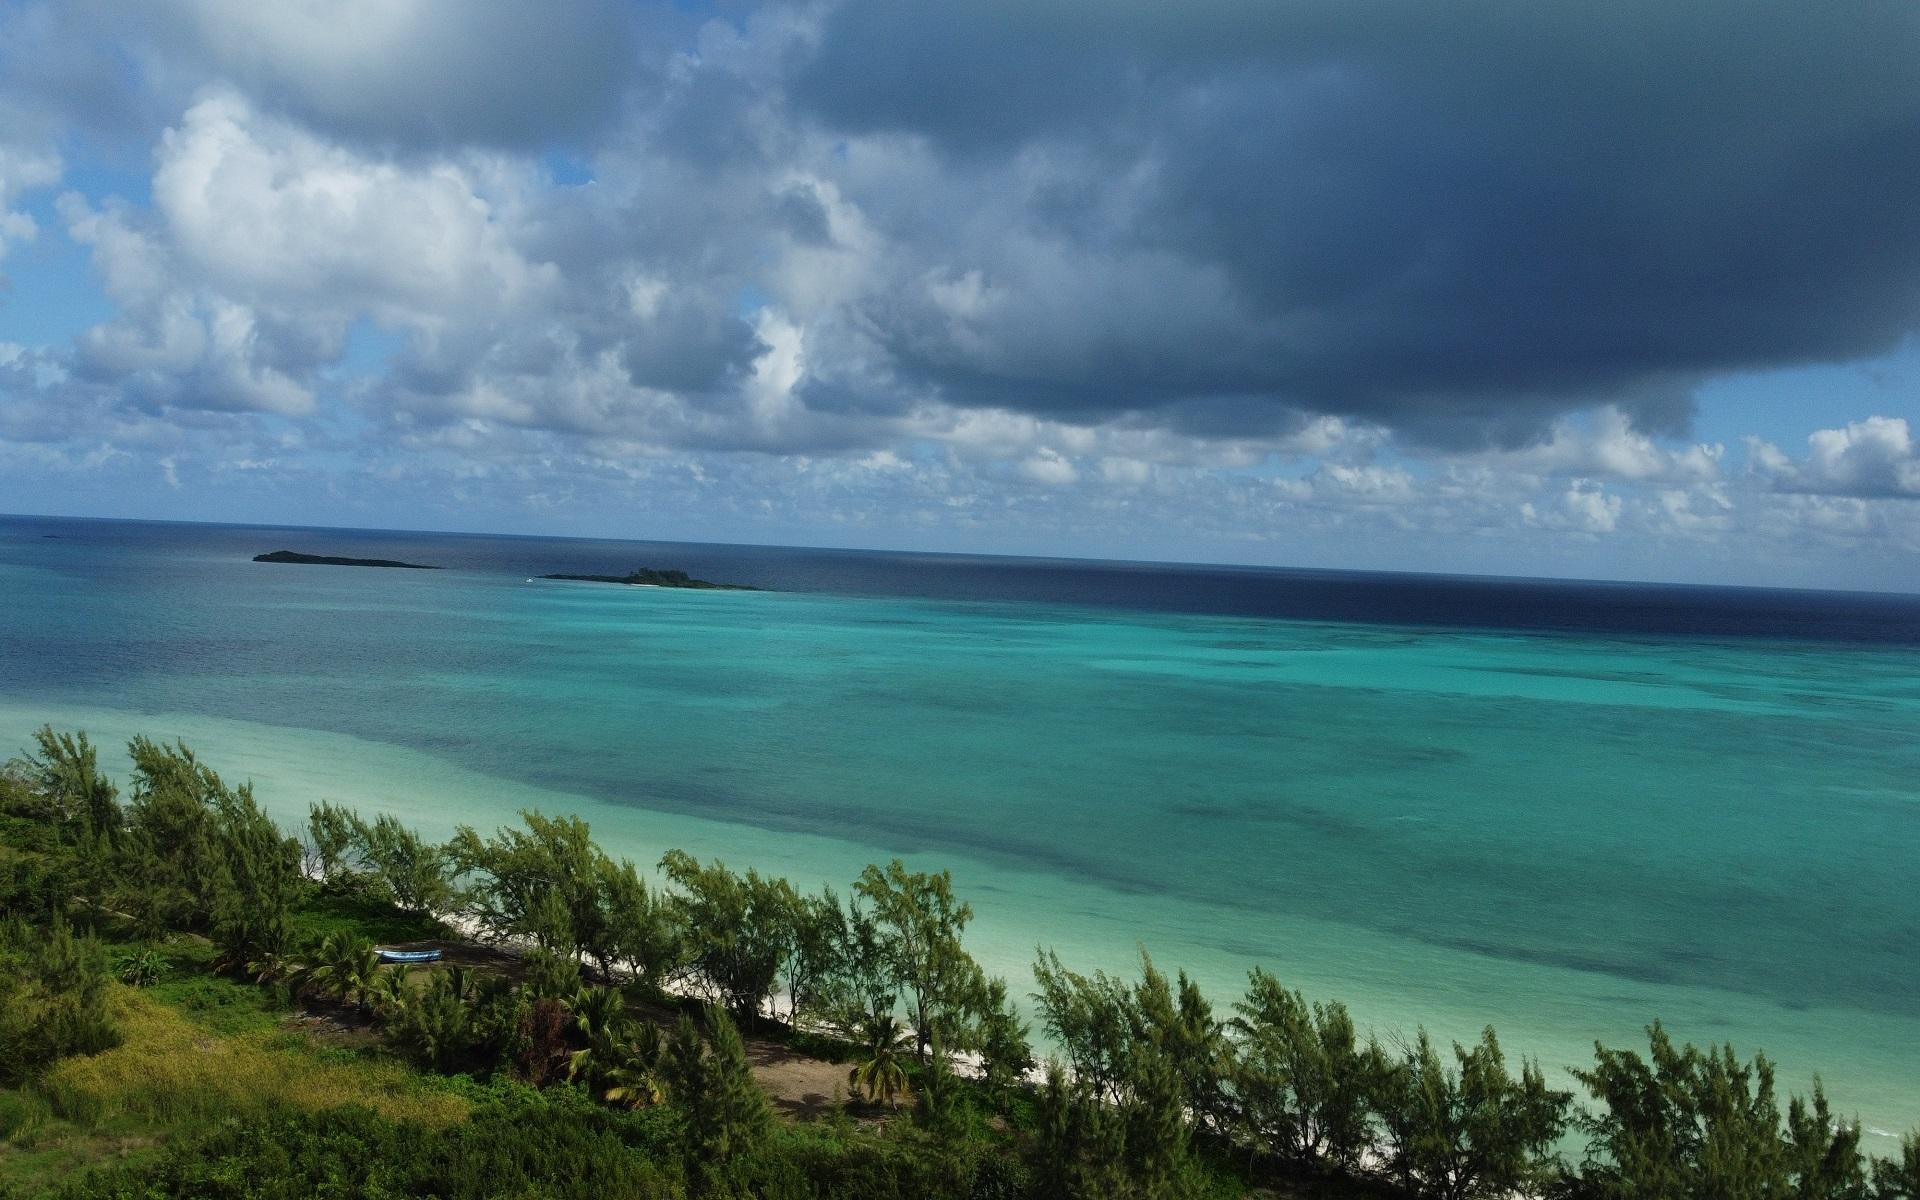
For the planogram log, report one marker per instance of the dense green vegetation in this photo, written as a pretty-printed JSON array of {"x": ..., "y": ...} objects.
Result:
[{"x": 192, "y": 1004}]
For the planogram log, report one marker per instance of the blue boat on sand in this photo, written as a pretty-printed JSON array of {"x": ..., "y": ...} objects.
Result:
[{"x": 409, "y": 956}]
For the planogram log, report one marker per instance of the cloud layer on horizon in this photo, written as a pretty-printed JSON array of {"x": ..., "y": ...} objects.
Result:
[{"x": 1233, "y": 273}]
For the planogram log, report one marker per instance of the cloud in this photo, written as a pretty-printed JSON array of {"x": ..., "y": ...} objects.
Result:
[
  {"x": 1225, "y": 227},
  {"x": 1047, "y": 465},
  {"x": 258, "y": 207},
  {"x": 1372, "y": 484},
  {"x": 1607, "y": 443},
  {"x": 1253, "y": 275},
  {"x": 422, "y": 73},
  {"x": 1455, "y": 220},
  {"x": 1876, "y": 457},
  {"x": 264, "y": 244},
  {"x": 1584, "y": 507},
  {"x": 22, "y": 171}
]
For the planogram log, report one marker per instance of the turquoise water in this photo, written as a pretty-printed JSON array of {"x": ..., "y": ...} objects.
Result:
[{"x": 1562, "y": 834}]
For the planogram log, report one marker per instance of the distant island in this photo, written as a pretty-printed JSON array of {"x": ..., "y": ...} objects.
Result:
[
  {"x": 648, "y": 577},
  {"x": 328, "y": 560}
]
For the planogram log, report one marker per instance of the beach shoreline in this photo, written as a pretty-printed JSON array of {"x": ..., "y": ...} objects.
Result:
[{"x": 1091, "y": 929}]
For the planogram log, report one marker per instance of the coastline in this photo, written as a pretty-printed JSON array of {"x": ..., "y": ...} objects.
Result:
[{"x": 1390, "y": 984}]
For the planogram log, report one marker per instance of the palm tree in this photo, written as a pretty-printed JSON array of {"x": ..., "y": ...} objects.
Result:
[
  {"x": 881, "y": 1075},
  {"x": 600, "y": 1016},
  {"x": 599, "y": 1010},
  {"x": 311, "y": 970},
  {"x": 348, "y": 969},
  {"x": 436, "y": 1022},
  {"x": 636, "y": 1084},
  {"x": 389, "y": 993},
  {"x": 295, "y": 971},
  {"x": 626, "y": 1073}
]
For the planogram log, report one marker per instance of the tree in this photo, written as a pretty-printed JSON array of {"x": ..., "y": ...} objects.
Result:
[
  {"x": 1104, "y": 1024},
  {"x": 410, "y": 871},
  {"x": 1006, "y": 1054},
  {"x": 390, "y": 992},
  {"x": 637, "y": 928},
  {"x": 621, "y": 1059},
  {"x": 879, "y": 1075},
  {"x": 1143, "y": 1058},
  {"x": 172, "y": 860},
  {"x": 1301, "y": 1078},
  {"x": 637, "y": 1077},
  {"x": 396, "y": 862},
  {"x": 1155, "y": 1123},
  {"x": 817, "y": 936},
  {"x": 63, "y": 772},
  {"x": 200, "y": 855},
  {"x": 1091, "y": 1020},
  {"x": 1823, "y": 1155},
  {"x": 1089, "y": 1148},
  {"x": 257, "y": 885},
  {"x": 724, "y": 1111},
  {"x": 347, "y": 968},
  {"x": 1472, "y": 1130},
  {"x": 859, "y": 980},
  {"x": 541, "y": 1041},
  {"x": 1682, "y": 1122},
  {"x": 542, "y": 883},
  {"x": 53, "y": 997},
  {"x": 550, "y": 976},
  {"x": 920, "y": 924},
  {"x": 1899, "y": 1179},
  {"x": 331, "y": 832},
  {"x": 438, "y": 1022},
  {"x": 1179, "y": 1022},
  {"x": 599, "y": 1010},
  {"x": 736, "y": 928}
]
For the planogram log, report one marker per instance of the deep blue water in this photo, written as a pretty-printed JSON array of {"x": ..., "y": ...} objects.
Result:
[{"x": 1362, "y": 597}]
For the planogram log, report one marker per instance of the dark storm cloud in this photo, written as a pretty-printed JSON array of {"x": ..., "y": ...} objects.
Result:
[{"x": 1457, "y": 219}]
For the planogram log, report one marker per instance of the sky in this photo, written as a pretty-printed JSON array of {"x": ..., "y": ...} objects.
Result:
[{"x": 1619, "y": 291}]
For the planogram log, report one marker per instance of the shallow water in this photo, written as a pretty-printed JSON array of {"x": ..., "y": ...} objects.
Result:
[{"x": 1705, "y": 808}]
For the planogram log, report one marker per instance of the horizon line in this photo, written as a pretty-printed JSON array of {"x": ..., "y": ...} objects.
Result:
[{"x": 996, "y": 554}]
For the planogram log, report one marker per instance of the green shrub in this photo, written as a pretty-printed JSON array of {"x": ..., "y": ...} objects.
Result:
[
  {"x": 53, "y": 997},
  {"x": 21, "y": 1112},
  {"x": 525, "y": 1151}
]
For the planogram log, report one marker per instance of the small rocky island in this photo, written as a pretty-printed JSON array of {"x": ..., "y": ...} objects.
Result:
[
  {"x": 328, "y": 560},
  {"x": 648, "y": 577}
]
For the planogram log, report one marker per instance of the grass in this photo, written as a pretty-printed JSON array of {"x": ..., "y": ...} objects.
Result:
[
  {"x": 324, "y": 912},
  {"x": 37, "y": 1158},
  {"x": 172, "y": 1070},
  {"x": 219, "y": 1005},
  {"x": 193, "y": 1051}
]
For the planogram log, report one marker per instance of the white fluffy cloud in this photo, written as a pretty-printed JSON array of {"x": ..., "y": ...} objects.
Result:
[
  {"x": 264, "y": 244},
  {"x": 1877, "y": 457},
  {"x": 22, "y": 170},
  {"x": 1584, "y": 507},
  {"x": 1607, "y": 444},
  {"x": 256, "y": 207}
]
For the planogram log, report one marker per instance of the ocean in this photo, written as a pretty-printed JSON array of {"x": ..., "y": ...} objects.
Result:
[{"x": 1562, "y": 809}]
